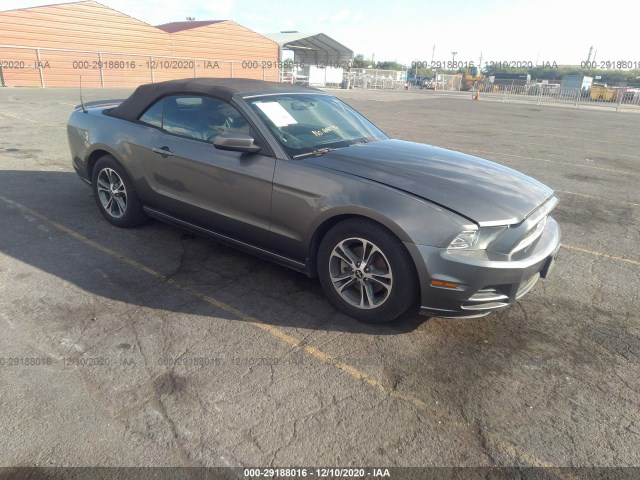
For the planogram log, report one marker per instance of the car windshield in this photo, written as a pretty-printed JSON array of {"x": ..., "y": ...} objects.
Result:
[{"x": 313, "y": 124}]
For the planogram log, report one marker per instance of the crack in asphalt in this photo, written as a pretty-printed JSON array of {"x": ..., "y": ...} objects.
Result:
[
  {"x": 181, "y": 261},
  {"x": 420, "y": 405},
  {"x": 484, "y": 443},
  {"x": 156, "y": 401}
]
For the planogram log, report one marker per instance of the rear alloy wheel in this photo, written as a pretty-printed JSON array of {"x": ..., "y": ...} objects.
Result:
[
  {"x": 366, "y": 272},
  {"x": 114, "y": 194}
]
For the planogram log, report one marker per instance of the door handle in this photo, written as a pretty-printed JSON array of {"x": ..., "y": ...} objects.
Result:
[{"x": 164, "y": 151}]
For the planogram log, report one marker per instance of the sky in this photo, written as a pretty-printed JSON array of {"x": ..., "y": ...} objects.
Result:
[{"x": 539, "y": 31}]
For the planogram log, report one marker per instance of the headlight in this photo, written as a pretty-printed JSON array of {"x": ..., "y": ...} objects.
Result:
[
  {"x": 465, "y": 239},
  {"x": 476, "y": 239}
]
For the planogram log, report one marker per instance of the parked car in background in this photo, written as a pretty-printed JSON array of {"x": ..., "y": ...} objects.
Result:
[
  {"x": 297, "y": 176},
  {"x": 427, "y": 83}
]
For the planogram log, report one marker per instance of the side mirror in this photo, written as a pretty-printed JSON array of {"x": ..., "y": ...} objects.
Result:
[{"x": 235, "y": 142}]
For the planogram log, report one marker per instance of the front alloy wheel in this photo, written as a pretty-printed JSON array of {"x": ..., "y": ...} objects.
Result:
[
  {"x": 366, "y": 271},
  {"x": 360, "y": 273}
]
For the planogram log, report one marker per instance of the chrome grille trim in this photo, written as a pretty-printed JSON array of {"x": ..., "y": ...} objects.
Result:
[
  {"x": 531, "y": 236},
  {"x": 486, "y": 298}
]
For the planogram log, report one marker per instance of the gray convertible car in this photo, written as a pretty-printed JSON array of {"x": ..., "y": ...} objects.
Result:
[{"x": 295, "y": 175}]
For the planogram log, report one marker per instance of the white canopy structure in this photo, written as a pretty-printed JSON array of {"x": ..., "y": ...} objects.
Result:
[{"x": 313, "y": 48}]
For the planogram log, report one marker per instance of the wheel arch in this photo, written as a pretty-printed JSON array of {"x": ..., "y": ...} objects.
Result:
[
  {"x": 329, "y": 222},
  {"x": 131, "y": 213},
  {"x": 96, "y": 154}
]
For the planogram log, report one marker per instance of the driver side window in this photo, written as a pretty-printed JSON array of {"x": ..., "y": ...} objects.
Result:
[{"x": 196, "y": 117}]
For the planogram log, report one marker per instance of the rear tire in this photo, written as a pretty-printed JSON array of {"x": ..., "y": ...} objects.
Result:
[
  {"x": 366, "y": 271},
  {"x": 115, "y": 195}
]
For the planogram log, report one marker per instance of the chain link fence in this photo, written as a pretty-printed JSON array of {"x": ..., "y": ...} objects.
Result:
[
  {"x": 538, "y": 93},
  {"x": 449, "y": 83},
  {"x": 375, "y": 78},
  {"x": 47, "y": 67},
  {"x": 545, "y": 93}
]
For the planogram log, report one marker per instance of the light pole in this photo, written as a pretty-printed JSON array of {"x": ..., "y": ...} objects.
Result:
[{"x": 454, "y": 58}]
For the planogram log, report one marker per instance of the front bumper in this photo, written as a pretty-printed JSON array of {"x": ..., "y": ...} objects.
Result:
[{"x": 488, "y": 281}]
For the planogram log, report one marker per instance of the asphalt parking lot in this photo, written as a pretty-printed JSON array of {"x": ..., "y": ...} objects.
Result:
[{"x": 151, "y": 346}]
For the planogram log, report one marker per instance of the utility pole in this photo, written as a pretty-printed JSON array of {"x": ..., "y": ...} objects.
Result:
[
  {"x": 454, "y": 57},
  {"x": 433, "y": 53},
  {"x": 590, "y": 52},
  {"x": 480, "y": 66}
]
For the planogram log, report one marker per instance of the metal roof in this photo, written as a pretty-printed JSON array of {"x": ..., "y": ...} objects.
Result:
[
  {"x": 312, "y": 48},
  {"x": 174, "y": 27}
]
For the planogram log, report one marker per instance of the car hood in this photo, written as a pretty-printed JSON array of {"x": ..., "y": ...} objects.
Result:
[{"x": 481, "y": 190}]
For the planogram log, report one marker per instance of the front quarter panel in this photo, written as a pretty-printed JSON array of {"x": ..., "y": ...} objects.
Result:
[{"x": 305, "y": 196}]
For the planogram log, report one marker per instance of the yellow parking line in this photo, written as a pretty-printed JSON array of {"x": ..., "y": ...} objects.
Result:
[
  {"x": 324, "y": 357},
  {"x": 598, "y": 198},
  {"x": 600, "y": 254},
  {"x": 276, "y": 332}
]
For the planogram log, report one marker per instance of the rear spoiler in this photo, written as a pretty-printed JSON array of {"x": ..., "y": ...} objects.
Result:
[{"x": 100, "y": 103}]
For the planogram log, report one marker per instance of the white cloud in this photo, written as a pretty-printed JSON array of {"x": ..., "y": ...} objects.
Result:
[
  {"x": 163, "y": 11},
  {"x": 342, "y": 16},
  {"x": 219, "y": 9},
  {"x": 154, "y": 13},
  {"x": 546, "y": 30}
]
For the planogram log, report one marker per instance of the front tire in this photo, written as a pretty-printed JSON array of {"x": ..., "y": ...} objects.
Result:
[
  {"x": 115, "y": 195},
  {"x": 366, "y": 272}
]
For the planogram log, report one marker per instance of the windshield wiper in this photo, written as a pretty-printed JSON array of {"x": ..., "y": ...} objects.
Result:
[
  {"x": 315, "y": 153},
  {"x": 363, "y": 140}
]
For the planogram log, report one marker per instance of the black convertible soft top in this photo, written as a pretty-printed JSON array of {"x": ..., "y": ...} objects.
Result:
[{"x": 223, "y": 88}]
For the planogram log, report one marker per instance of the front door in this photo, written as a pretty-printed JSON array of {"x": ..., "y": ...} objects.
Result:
[{"x": 228, "y": 192}]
